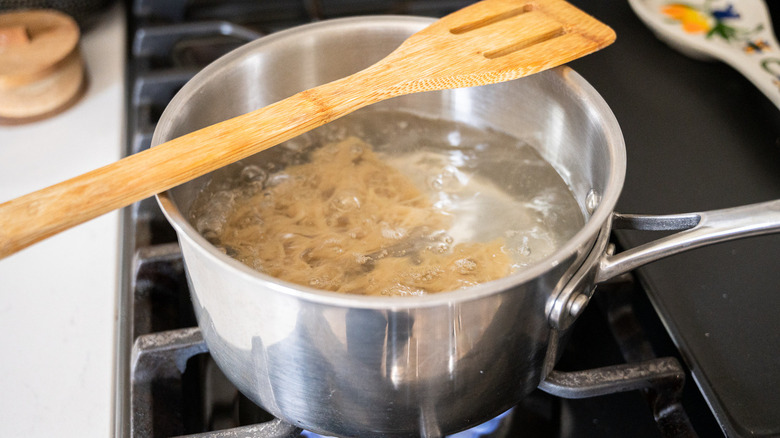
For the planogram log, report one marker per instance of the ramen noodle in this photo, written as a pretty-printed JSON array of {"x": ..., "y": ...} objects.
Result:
[
  {"x": 348, "y": 222},
  {"x": 433, "y": 206}
]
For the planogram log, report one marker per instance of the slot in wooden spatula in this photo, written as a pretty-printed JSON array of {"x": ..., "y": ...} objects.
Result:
[{"x": 488, "y": 42}]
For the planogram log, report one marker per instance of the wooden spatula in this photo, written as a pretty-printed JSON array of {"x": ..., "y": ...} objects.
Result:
[{"x": 490, "y": 41}]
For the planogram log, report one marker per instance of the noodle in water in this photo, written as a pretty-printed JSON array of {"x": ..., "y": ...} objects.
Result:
[
  {"x": 348, "y": 222},
  {"x": 432, "y": 206}
]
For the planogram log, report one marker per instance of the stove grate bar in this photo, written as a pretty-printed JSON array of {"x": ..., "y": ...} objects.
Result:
[
  {"x": 665, "y": 397},
  {"x": 614, "y": 379},
  {"x": 272, "y": 429},
  {"x": 160, "y": 40},
  {"x": 164, "y": 356}
]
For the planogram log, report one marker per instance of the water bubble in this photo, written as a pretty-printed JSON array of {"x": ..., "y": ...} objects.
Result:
[
  {"x": 524, "y": 249},
  {"x": 357, "y": 232},
  {"x": 592, "y": 201},
  {"x": 454, "y": 138},
  {"x": 298, "y": 144},
  {"x": 253, "y": 173},
  {"x": 435, "y": 183},
  {"x": 357, "y": 150},
  {"x": 210, "y": 235},
  {"x": 450, "y": 179},
  {"x": 252, "y": 188},
  {"x": 439, "y": 248},
  {"x": 210, "y": 225},
  {"x": 440, "y": 242},
  {"x": 333, "y": 245},
  {"x": 362, "y": 259},
  {"x": 228, "y": 250},
  {"x": 427, "y": 275},
  {"x": 223, "y": 198},
  {"x": 345, "y": 200},
  {"x": 388, "y": 232},
  {"x": 249, "y": 218},
  {"x": 466, "y": 266},
  {"x": 277, "y": 179}
]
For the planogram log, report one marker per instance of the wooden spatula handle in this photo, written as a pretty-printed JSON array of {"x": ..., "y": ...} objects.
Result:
[
  {"x": 485, "y": 43},
  {"x": 41, "y": 214}
]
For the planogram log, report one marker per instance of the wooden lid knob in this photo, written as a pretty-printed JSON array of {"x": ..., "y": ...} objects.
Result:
[
  {"x": 14, "y": 35},
  {"x": 40, "y": 64}
]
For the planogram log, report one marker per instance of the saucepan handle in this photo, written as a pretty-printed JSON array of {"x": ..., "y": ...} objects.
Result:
[
  {"x": 698, "y": 229},
  {"x": 695, "y": 230}
]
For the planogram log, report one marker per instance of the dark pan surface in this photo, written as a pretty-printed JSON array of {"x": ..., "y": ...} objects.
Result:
[{"x": 699, "y": 136}]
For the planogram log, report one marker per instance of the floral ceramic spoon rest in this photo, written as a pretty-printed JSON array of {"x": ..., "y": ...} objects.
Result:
[{"x": 737, "y": 33}]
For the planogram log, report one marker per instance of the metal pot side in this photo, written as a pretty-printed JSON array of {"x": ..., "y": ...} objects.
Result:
[{"x": 367, "y": 366}]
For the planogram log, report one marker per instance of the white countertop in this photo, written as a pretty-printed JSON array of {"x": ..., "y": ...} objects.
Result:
[{"x": 58, "y": 297}]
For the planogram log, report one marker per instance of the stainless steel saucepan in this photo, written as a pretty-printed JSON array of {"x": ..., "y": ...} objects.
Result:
[{"x": 370, "y": 366}]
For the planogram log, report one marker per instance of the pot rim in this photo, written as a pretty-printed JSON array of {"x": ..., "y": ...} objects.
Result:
[{"x": 593, "y": 225}]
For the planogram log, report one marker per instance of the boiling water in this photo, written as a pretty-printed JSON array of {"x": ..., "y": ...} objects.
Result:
[{"x": 490, "y": 186}]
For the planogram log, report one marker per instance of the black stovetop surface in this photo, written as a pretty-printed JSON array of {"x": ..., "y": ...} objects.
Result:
[{"x": 699, "y": 136}]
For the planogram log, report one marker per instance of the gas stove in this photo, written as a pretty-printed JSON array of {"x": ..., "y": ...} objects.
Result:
[{"x": 167, "y": 384}]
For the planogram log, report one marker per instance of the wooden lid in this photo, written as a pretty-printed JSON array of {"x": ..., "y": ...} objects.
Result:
[
  {"x": 33, "y": 43},
  {"x": 41, "y": 70}
]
